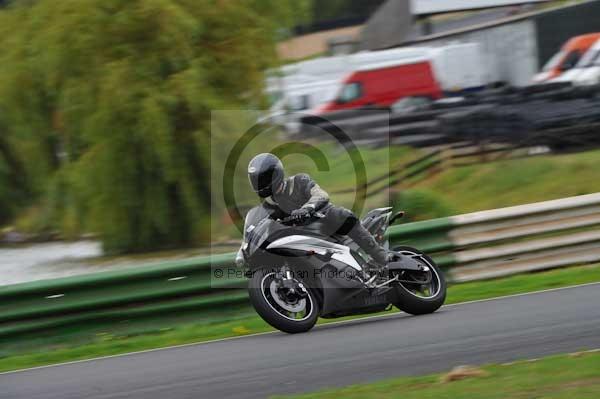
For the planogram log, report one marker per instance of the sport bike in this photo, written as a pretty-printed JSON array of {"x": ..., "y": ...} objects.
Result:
[{"x": 298, "y": 274}]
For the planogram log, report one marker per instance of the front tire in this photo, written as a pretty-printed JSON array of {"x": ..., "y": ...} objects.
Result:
[
  {"x": 414, "y": 298},
  {"x": 290, "y": 318}
]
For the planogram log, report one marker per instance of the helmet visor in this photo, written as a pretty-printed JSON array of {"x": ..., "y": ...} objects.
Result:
[{"x": 262, "y": 182}]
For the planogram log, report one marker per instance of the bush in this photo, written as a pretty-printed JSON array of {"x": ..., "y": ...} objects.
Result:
[{"x": 421, "y": 205}]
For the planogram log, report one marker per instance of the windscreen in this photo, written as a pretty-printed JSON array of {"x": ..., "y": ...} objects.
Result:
[
  {"x": 256, "y": 234},
  {"x": 350, "y": 92},
  {"x": 596, "y": 61},
  {"x": 589, "y": 59},
  {"x": 253, "y": 217},
  {"x": 554, "y": 61}
]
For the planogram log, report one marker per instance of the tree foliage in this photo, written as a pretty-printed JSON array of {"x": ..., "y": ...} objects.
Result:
[{"x": 106, "y": 106}]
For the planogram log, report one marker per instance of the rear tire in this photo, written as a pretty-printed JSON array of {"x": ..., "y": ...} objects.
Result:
[
  {"x": 413, "y": 304},
  {"x": 260, "y": 297}
]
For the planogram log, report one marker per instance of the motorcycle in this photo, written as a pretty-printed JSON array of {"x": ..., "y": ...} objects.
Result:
[{"x": 298, "y": 274}]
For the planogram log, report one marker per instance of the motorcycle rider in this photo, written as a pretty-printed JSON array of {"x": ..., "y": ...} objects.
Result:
[{"x": 301, "y": 197}]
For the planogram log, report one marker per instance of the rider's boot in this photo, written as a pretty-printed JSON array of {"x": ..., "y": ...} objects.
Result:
[{"x": 367, "y": 243}]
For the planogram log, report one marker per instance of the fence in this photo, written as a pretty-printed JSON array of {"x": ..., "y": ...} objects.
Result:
[
  {"x": 439, "y": 158},
  {"x": 474, "y": 246},
  {"x": 555, "y": 114}
]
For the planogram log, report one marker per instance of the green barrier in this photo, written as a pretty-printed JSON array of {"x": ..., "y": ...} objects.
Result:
[
  {"x": 119, "y": 276},
  {"x": 202, "y": 304},
  {"x": 104, "y": 297},
  {"x": 430, "y": 236}
]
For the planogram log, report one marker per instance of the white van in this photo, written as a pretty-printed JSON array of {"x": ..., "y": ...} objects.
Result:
[
  {"x": 298, "y": 98},
  {"x": 587, "y": 70},
  {"x": 459, "y": 67}
]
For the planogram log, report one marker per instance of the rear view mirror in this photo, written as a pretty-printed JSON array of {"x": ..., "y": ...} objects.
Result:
[{"x": 396, "y": 216}]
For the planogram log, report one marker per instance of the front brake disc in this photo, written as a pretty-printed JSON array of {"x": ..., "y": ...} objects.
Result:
[{"x": 290, "y": 307}]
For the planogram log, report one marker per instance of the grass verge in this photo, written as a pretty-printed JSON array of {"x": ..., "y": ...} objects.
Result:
[
  {"x": 555, "y": 377},
  {"x": 516, "y": 181},
  {"x": 31, "y": 352}
]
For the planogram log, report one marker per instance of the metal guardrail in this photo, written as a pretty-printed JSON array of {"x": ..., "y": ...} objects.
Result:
[
  {"x": 512, "y": 240},
  {"x": 474, "y": 246},
  {"x": 526, "y": 238}
]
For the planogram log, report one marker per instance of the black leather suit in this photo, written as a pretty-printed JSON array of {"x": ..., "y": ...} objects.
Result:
[{"x": 300, "y": 191}]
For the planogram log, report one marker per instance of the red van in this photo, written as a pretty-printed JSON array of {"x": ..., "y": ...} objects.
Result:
[{"x": 383, "y": 84}]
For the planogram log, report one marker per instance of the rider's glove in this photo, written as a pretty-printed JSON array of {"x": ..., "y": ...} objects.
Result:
[{"x": 302, "y": 214}]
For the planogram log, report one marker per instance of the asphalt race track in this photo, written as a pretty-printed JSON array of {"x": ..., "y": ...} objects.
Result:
[{"x": 500, "y": 330}]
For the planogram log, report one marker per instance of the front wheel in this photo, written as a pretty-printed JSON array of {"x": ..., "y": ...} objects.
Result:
[
  {"x": 288, "y": 305},
  {"x": 419, "y": 295}
]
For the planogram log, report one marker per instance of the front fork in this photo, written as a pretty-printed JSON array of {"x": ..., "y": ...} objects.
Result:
[{"x": 289, "y": 285}]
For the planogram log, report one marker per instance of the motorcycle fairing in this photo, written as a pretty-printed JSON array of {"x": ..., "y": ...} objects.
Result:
[
  {"x": 313, "y": 244},
  {"x": 339, "y": 295}
]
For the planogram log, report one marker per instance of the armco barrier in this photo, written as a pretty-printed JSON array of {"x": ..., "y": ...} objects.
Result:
[
  {"x": 511, "y": 240},
  {"x": 167, "y": 287},
  {"x": 479, "y": 245}
]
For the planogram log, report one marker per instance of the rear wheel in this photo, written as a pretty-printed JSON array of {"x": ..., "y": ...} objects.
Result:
[
  {"x": 420, "y": 293},
  {"x": 287, "y": 305}
]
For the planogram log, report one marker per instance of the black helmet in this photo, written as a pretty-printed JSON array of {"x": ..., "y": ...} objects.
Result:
[{"x": 265, "y": 172}]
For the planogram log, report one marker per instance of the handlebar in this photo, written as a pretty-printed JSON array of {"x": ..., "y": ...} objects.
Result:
[
  {"x": 291, "y": 219},
  {"x": 286, "y": 220}
]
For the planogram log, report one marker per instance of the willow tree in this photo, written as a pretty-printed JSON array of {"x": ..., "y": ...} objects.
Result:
[{"x": 110, "y": 103}]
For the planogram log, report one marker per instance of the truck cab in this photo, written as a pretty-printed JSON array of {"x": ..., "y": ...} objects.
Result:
[
  {"x": 587, "y": 70},
  {"x": 383, "y": 84},
  {"x": 589, "y": 67},
  {"x": 567, "y": 58}
]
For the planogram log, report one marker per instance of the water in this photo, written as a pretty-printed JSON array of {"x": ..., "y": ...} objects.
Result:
[
  {"x": 41, "y": 261},
  {"x": 23, "y": 263}
]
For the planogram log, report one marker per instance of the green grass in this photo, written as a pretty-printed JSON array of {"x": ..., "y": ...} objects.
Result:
[
  {"x": 555, "y": 377},
  {"x": 83, "y": 342},
  {"x": 523, "y": 283},
  {"x": 516, "y": 181}
]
